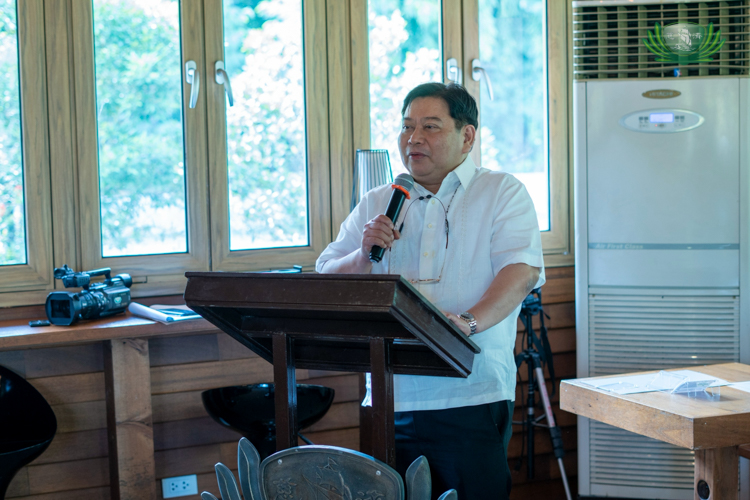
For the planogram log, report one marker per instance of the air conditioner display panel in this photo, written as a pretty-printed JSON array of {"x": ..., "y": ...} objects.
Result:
[{"x": 662, "y": 121}]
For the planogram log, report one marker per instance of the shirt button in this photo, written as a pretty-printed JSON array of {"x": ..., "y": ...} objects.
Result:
[
  {"x": 433, "y": 202},
  {"x": 429, "y": 225},
  {"x": 426, "y": 254}
]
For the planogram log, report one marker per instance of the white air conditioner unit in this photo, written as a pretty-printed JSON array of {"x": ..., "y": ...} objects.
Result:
[{"x": 662, "y": 200}]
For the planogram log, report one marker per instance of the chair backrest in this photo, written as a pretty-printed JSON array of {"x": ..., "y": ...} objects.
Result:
[
  {"x": 320, "y": 472},
  {"x": 328, "y": 472},
  {"x": 24, "y": 413}
]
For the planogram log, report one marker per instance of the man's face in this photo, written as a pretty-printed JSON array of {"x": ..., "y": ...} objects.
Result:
[{"x": 429, "y": 142}]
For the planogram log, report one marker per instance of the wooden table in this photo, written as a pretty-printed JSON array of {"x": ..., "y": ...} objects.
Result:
[
  {"x": 713, "y": 427},
  {"x": 127, "y": 385}
]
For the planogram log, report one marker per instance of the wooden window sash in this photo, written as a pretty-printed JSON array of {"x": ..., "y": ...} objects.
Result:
[
  {"x": 19, "y": 283},
  {"x": 152, "y": 274},
  {"x": 317, "y": 138},
  {"x": 557, "y": 241}
]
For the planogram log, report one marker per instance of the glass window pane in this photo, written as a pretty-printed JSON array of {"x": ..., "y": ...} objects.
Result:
[
  {"x": 266, "y": 138},
  {"x": 404, "y": 50},
  {"x": 513, "y": 49},
  {"x": 12, "y": 219},
  {"x": 140, "y": 133}
]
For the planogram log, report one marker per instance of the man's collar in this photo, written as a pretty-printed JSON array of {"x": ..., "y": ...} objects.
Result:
[{"x": 465, "y": 171}]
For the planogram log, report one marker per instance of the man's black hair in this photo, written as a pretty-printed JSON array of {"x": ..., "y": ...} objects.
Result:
[{"x": 461, "y": 106}]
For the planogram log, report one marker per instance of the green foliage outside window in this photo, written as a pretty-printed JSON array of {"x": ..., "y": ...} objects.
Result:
[
  {"x": 12, "y": 219},
  {"x": 512, "y": 46},
  {"x": 266, "y": 143},
  {"x": 139, "y": 119},
  {"x": 404, "y": 51}
]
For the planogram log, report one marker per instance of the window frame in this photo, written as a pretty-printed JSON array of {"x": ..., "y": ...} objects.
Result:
[
  {"x": 461, "y": 41},
  {"x": 452, "y": 42},
  {"x": 155, "y": 273},
  {"x": 557, "y": 242},
  {"x": 21, "y": 283},
  {"x": 61, "y": 194},
  {"x": 317, "y": 143}
]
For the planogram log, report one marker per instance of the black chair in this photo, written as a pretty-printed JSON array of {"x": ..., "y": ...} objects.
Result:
[
  {"x": 250, "y": 409},
  {"x": 27, "y": 425}
]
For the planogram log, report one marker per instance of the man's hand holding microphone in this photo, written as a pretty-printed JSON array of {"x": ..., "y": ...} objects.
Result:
[{"x": 380, "y": 233}]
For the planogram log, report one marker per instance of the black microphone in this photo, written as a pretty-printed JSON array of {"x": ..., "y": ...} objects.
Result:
[{"x": 401, "y": 187}]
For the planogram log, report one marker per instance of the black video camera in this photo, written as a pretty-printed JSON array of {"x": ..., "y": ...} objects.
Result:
[{"x": 109, "y": 297}]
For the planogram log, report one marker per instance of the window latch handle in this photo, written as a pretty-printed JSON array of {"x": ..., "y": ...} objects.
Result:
[
  {"x": 452, "y": 71},
  {"x": 222, "y": 78},
  {"x": 478, "y": 72},
  {"x": 193, "y": 77}
]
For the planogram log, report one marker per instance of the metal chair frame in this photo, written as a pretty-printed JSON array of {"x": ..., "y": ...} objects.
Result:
[{"x": 317, "y": 471}]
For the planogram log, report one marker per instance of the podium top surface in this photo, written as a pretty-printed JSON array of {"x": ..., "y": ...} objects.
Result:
[
  {"x": 332, "y": 318},
  {"x": 690, "y": 422}
]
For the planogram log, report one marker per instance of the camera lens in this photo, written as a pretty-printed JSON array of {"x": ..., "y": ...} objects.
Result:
[{"x": 60, "y": 308}]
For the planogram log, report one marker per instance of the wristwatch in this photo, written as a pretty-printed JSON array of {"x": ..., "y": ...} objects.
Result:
[{"x": 471, "y": 320}]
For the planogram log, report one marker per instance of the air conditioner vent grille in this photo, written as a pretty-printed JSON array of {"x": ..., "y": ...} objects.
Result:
[
  {"x": 629, "y": 333},
  {"x": 622, "y": 458},
  {"x": 608, "y": 39}
]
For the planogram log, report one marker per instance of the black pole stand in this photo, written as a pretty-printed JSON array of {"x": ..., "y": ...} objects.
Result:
[{"x": 533, "y": 358}]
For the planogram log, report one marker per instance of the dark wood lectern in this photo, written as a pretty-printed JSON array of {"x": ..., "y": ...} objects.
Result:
[{"x": 375, "y": 323}]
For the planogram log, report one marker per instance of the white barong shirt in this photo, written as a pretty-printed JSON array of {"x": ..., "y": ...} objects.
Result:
[{"x": 492, "y": 224}]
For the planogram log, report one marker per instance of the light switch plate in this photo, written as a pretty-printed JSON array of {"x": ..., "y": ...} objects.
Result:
[{"x": 179, "y": 486}]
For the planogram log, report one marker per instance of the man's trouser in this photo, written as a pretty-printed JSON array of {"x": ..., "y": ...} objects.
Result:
[{"x": 467, "y": 448}]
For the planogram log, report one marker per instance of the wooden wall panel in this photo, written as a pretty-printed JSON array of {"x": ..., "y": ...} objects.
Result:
[
  {"x": 191, "y": 432},
  {"x": 88, "y": 493},
  {"x": 78, "y": 359},
  {"x": 191, "y": 377},
  {"x": 188, "y": 441},
  {"x": 67, "y": 389},
  {"x": 182, "y": 350},
  {"x": 19, "y": 486},
  {"x": 177, "y": 406},
  {"x": 62, "y": 476},
  {"x": 76, "y": 417},
  {"x": 70, "y": 446}
]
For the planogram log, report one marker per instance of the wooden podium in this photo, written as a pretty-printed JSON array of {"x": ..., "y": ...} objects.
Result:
[{"x": 360, "y": 323}]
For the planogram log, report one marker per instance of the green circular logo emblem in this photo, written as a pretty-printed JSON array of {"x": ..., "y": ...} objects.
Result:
[
  {"x": 684, "y": 43},
  {"x": 684, "y": 38}
]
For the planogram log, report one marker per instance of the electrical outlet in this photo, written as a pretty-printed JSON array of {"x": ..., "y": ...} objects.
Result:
[{"x": 179, "y": 486}]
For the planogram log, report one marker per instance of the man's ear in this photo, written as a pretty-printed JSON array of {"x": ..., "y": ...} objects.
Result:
[{"x": 470, "y": 134}]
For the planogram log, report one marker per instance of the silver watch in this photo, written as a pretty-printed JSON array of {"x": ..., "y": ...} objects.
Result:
[{"x": 471, "y": 320}]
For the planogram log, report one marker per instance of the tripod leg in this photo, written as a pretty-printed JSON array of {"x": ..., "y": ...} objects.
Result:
[
  {"x": 554, "y": 430},
  {"x": 530, "y": 422}
]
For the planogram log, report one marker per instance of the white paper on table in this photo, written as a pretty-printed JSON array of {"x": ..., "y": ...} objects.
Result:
[
  {"x": 154, "y": 314},
  {"x": 635, "y": 384},
  {"x": 743, "y": 386},
  {"x": 631, "y": 384}
]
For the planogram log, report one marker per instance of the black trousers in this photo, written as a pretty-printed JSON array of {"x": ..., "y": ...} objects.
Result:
[{"x": 467, "y": 448}]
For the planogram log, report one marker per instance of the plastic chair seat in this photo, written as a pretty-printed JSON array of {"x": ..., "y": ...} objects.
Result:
[
  {"x": 250, "y": 410},
  {"x": 16, "y": 446},
  {"x": 28, "y": 424}
]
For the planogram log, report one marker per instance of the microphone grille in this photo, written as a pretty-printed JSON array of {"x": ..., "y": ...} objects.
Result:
[{"x": 405, "y": 180}]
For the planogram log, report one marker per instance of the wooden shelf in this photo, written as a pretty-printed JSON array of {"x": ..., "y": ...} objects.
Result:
[{"x": 17, "y": 334}]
